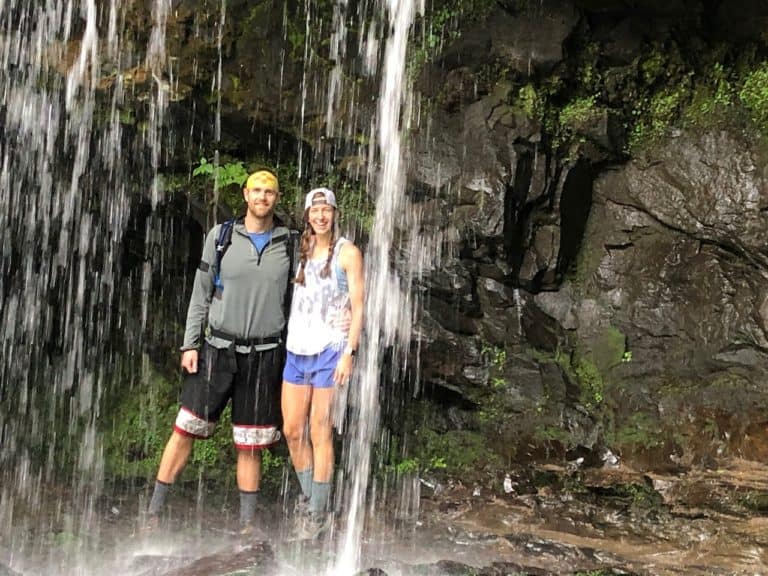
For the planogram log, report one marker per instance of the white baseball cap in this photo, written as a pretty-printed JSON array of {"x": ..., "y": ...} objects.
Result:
[{"x": 320, "y": 196}]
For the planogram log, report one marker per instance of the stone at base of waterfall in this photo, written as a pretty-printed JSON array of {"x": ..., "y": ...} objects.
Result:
[
  {"x": 222, "y": 562},
  {"x": 453, "y": 568}
]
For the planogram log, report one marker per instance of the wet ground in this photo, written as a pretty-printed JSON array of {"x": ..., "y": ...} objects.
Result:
[
  {"x": 705, "y": 521},
  {"x": 548, "y": 520}
]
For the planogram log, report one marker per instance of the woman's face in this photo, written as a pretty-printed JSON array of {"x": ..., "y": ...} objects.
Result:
[{"x": 321, "y": 218}]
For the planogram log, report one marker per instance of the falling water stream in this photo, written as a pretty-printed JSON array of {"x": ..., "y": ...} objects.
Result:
[
  {"x": 387, "y": 310},
  {"x": 70, "y": 315}
]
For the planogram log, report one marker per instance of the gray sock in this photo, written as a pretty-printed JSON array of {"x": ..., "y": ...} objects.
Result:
[
  {"x": 158, "y": 497},
  {"x": 248, "y": 503},
  {"x": 318, "y": 501},
  {"x": 305, "y": 481}
]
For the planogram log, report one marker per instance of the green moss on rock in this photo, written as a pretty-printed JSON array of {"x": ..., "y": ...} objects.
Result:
[
  {"x": 640, "y": 431},
  {"x": 456, "y": 452}
]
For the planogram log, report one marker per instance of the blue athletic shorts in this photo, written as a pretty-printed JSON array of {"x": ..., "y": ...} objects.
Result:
[{"x": 315, "y": 370}]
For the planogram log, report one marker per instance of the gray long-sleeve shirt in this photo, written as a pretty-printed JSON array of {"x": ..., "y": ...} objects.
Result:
[{"x": 250, "y": 305}]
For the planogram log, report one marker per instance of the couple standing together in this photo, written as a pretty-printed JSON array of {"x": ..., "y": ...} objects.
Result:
[{"x": 246, "y": 290}]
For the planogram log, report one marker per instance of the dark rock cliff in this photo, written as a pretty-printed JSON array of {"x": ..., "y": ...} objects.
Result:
[
  {"x": 595, "y": 172},
  {"x": 605, "y": 295}
]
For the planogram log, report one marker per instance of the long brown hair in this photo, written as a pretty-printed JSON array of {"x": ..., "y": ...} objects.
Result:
[{"x": 305, "y": 246}]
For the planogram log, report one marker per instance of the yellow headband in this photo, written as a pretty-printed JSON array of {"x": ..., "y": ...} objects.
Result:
[{"x": 262, "y": 178}]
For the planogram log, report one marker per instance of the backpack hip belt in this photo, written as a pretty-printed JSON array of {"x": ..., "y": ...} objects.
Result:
[{"x": 274, "y": 339}]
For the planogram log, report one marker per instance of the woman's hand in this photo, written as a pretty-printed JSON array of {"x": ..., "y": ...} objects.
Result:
[{"x": 343, "y": 370}]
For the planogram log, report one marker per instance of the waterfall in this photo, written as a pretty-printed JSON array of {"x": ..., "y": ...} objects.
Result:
[
  {"x": 72, "y": 174},
  {"x": 66, "y": 178},
  {"x": 337, "y": 52},
  {"x": 388, "y": 306}
]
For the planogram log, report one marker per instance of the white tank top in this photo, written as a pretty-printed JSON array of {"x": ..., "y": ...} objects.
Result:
[{"x": 316, "y": 307}]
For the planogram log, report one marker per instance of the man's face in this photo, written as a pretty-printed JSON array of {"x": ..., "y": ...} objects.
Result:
[{"x": 261, "y": 197}]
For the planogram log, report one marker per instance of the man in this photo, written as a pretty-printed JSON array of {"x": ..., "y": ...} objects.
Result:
[{"x": 240, "y": 300}]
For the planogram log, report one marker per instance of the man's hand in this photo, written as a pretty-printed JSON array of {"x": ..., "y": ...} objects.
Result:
[
  {"x": 189, "y": 361},
  {"x": 342, "y": 320}
]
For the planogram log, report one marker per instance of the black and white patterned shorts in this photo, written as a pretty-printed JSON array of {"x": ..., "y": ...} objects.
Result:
[{"x": 253, "y": 383}]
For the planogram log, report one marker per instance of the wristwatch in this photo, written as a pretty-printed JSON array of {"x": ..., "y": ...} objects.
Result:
[{"x": 350, "y": 351}]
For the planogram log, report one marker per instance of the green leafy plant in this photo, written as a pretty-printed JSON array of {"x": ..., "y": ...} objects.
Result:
[
  {"x": 589, "y": 76},
  {"x": 441, "y": 24},
  {"x": 438, "y": 463},
  {"x": 496, "y": 358},
  {"x": 455, "y": 451},
  {"x": 141, "y": 425},
  {"x": 591, "y": 381},
  {"x": 529, "y": 101},
  {"x": 452, "y": 452},
  {"x": 407, "y": 466},
  {"x": 659, "y": 113},
  {"x": 577, "y": 112},
  {"x": 754, "y": 95},
  {"x": 225, "y": 174},
  {"x": 640, "y": 495},
  {"x": 653, "y": 66},
  {"x": 496, "y": 355},
  {"x": 755, "y": 500},
  {"x": 640, "y": 431}
]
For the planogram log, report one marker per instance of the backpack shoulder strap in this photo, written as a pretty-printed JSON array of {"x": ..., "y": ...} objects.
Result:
[
  {"x": 292, "y": 248},
  {"x": 223, "y": 240}
]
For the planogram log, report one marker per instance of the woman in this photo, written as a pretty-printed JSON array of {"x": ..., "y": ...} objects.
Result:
[{"x": 320, "y": 351}]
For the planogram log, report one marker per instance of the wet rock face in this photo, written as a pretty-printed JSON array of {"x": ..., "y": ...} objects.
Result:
[
  {"x": 711, "y": 189},
  {"x": 653, "y": 272},
  {"x": 699, "y": 211},
  {"x": 532, "y": 40},
  {"x": 629, "y": 297},
  {"x": 674, "y": 255}
]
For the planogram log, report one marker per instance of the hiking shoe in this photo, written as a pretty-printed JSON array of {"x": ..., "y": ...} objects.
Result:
[
  {"x": 314, "y": 525},
  {"x": 252, "y": 531},
  {"x": 150, "y": 524},
  {"x": 301, "y": 507},
  {"x": 300, "y": 514}
]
